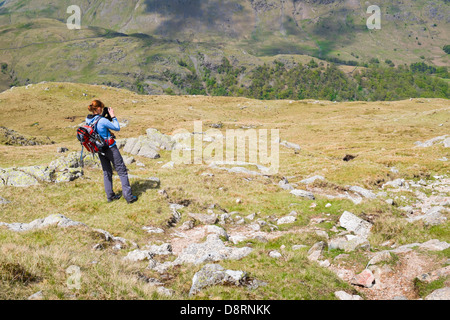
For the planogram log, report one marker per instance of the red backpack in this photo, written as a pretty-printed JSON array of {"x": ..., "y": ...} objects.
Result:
[{"x": 91, "y": 140}]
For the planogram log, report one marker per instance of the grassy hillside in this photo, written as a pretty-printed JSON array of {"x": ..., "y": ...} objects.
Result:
[
  {"x": 380, "y": 134},
  {"x": 132, "y": 44}
]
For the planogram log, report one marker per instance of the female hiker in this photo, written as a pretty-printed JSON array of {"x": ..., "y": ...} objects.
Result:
[{"x": 112, "y": 155}]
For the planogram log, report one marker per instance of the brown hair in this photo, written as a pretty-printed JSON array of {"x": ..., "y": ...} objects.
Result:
[{"x": 95, "y": 105}]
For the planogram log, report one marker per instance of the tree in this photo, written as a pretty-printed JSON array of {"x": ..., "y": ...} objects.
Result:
[{"x": 447, "y": 49}]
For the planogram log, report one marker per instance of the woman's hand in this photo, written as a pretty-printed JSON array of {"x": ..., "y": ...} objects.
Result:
[{"x": 111, "y": 112}]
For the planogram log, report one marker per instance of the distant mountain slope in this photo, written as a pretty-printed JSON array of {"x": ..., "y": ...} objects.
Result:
[{"x": 129, "y": 42}]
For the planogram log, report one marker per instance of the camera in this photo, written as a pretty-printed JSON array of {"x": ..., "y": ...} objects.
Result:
[{"x": 106, "y": 114}]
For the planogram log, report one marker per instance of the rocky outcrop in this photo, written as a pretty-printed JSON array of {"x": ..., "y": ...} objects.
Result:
[
  {"x": 13, "y": 138},
  {"x": 56, "y": 219},
  {"x": 63, "y": 169}
]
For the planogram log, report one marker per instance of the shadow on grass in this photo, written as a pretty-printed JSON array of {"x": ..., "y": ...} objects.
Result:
[{"x": 141, "y": 186}]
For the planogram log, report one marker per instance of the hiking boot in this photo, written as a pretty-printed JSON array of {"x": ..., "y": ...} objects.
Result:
[
  {"x": 115, "y": 197},
  {"x": 133, "y": 199}
]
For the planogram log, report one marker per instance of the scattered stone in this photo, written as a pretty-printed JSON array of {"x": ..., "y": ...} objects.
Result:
[
  {"x": 212, "y": 250},
  {"x": 4, "y": 201},
  {"x": 435, "y": 275},
  {"x": 291, "y": 145},
  {"x": 36, "y": 296},
  {"x": 439, "y": 294},
  {"x": 303, "y": 194},
  {"x": 382, "y": 256},
  {"x": 328, "y": 205},
  {"x": 211, "y": 229},
  {"x": 61, "y": 150},
  {"x": 363, "y": 192},
  {"x": 430, "y": 142},
  {"x": 56, "y": 219},
  {"x": 397, "y": 183},
  {"x": 312, "y": 179},
  {"x": 298, "y": 246},
  {"x": 348, "y": 243},
  {"x": 342, "y": 295},
  {"x": 187, "y": 225},
  {"x": 204, "y": 218},
  {"x": 447, "y": 143},
  {"x": 432, "y": 217},
  {"x": 169, "y": 165},
  {"x": 153, "y": 230},
  {"x": 175, "y": 218},
  {"x": 316, "y": 251},
  {"x": 434, "y": 245},
  {"x": 275, "y": 254},
  {"x": 165, "y": 292},
  {"x": 286, "y": 220},
  {"x": 214, "y": 274},
  {"x": 161, "y": 250},
  {"x": 139, "y": 255},
  {"x": 13, "y": 138},
  {"x": 128, "y": 160},
  {"x": 237, "y": 238},
  {"x": 355, "y": 224},
  {"x": 284, "y": 184},
  {"x": 364, "y": 279}
]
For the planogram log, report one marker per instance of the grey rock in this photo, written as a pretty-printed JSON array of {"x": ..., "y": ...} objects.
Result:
[
  {"x": 382, "y": 256},
  {"x": 36, "y": 296},
  {"x": 434, "y": 245},
  {"x": 291, "y": 145},
  {"x": 153, "y": 229},
  {"x": 139, "y": 255},
  {"x": 214, "y": 274},
  {"x": 275, "y": 254},
  {"x": 430, "y": 142},
  {"x": 435, "y": 275},
  {"x": 4, "y": 201},
  {"x": 394, "y": 184},
  {"x": 55, "y": 219},
  {"x": 312, "y": 179},
  {"x": 447, "y": 143},
  {"x": 165, "y": 292},
  {"x": 284, "y": 184},
  {"x": 212, "y": 250},
  {"x": 128, "y": 160},
  {"x": 15, "y": 178},
  {"x": 286, "y": 220},
  {"x": 355, "y": 224},
  {"x": 147, "y": 151},
  {"x": 432, "y": 217},
  {"x": 62, "y": 150},
  {"x": 204, "y": 218},
  {"x": 163, "y": 249},
  {"x": 316, "y": 251},
  {"x": 342, "y": 295},
  {"x": 439, "y": 294},
  {"x": 303, "y": 194},
  {"x": 348, "y": 243},
  {"x": 363, "y": 192}
]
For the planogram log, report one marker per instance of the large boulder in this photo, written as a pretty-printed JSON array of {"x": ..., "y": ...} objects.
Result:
[
  {"x": 212, "y": 250},
  {"x": 214, "y": 274},
  {"x": 16, "y": 178},
  {"x": 355, "y": 224},
  {"x": 55, "y": 219}
]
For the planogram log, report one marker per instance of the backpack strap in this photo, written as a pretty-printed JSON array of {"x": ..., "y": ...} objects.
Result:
[{"x": 94, "y": 125}]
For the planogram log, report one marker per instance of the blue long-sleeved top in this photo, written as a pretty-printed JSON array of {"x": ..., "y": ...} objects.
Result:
[{"x": 103, "y": 126}]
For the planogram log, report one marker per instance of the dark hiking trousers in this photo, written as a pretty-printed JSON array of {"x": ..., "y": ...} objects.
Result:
[{"x": 113, "y": 156}]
